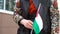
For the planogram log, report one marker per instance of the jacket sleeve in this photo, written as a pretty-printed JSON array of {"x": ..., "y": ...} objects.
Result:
[{"x": 17, "y": 14}]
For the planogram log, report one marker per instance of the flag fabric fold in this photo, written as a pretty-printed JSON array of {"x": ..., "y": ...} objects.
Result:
[{"x": 38, "y": 23}]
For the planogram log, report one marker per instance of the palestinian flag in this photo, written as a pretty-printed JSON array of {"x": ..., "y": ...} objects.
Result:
[{"x": 38, "y": 23}]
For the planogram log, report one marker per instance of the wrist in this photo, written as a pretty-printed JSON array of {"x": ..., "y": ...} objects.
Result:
[{"x": 22, "y": 21}]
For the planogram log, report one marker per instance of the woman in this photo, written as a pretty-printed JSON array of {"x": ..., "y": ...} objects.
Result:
[{"x": 26, "y": 12}]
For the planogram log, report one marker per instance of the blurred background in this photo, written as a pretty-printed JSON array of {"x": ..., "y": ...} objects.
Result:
[{"x": 7, "y": 24}]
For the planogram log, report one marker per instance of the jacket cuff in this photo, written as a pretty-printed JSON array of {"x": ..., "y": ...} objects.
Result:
[{"x": 19, "y": 20}]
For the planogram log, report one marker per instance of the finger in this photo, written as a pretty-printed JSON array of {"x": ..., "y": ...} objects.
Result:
[
  {"x": 30, "y": 27},
  {"x": 30, "y": 22}
]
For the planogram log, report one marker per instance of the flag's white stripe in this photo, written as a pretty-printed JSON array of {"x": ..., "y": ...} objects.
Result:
[
  {"x": 58, "y": 1},
  {"x": 39, "y": 22}
]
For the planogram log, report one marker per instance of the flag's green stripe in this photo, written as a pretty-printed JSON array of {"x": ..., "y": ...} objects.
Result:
[{"x": 36, "y": 27}]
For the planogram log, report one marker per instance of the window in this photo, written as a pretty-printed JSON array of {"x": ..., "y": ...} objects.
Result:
[
  {"x": 1, "y": 4},
  {"x": 7, "y": 4},
  {"x": 10, "y": 5}
]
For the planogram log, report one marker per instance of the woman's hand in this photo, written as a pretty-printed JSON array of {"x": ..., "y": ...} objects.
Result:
[{"x": 27, "y": 23}]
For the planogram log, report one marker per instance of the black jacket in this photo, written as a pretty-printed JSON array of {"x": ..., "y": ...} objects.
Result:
[{"x": 45, "y": 14}]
